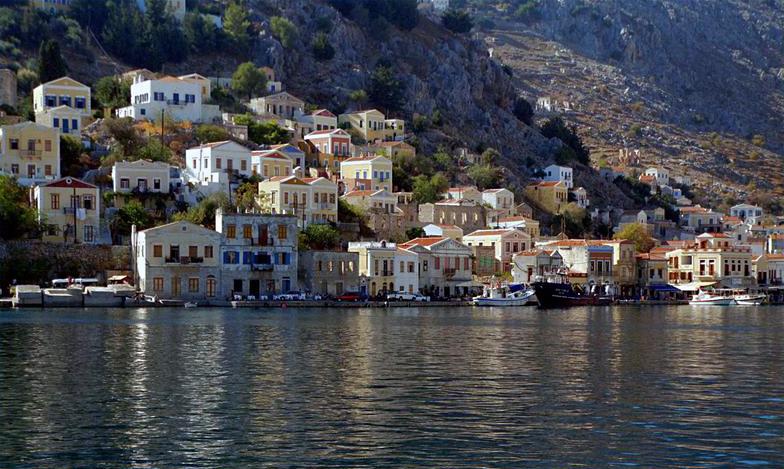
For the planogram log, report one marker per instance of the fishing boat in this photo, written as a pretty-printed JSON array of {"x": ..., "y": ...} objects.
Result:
[
  {"x": 506, "y": 295},
  {"x": 707, "y": 298},
  {"x": 556, "y": 291},
  {"x": 750, "y": 299}
]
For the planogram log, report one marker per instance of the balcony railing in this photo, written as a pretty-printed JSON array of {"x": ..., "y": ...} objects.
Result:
[
  {"x": 184, "y": 260},
  {"x": 31, "y": 153},
  {"x": 262, "y": 267},
  {"x": 449, "y": 273}
]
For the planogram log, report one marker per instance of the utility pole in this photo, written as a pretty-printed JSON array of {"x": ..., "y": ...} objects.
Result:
[
  {"x": 75, "y": 204},
  {"x": 163, "y": 116}
]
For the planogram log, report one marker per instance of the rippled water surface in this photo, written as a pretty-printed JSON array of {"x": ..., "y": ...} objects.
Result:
[{"x": 396, "y": 388}]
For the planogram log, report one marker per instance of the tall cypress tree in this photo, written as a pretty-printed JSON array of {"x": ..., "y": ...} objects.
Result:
[{"x": 50, "y": 63}]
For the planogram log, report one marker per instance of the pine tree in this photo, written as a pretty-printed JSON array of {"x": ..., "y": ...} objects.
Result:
[
  {"x": 50, "y": 63},
  {"x": 236, "y": 25}
]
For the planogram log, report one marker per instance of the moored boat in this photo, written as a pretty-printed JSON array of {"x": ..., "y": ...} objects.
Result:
[
  {"x": 507, "y": 295},
  {"x": 558, "y": 292},
  {"x": 705, "y": 298},
  {"x": 750, "y": 299}
]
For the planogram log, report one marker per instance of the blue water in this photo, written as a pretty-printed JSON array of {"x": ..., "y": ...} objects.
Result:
[{"x": 457, "y": 387}]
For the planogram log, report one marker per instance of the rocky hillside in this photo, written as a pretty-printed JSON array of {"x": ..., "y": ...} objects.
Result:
[{"x": 692, "y": 83}]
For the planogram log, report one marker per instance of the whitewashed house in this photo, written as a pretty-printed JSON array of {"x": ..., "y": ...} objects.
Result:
[
  {"x": 555, "y": 173},
  {"x": 170, "y": 97},
  {"x": 209, "y": 165}
]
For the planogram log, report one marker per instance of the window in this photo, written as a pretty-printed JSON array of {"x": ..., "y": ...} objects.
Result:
[
  {"x": 208, "y": 252},
  {"x": 55, "y": 201},
  {"x": 402, "y": 267},
  {"x": 247, "y": 231},
  {"x": 157, "y": 284},
  {"x": 48, "y": 170},
  {"x": 283, "y": 232},
  {"x": 193, "y": 251},
  {"x": 14, "y": 143},
  {"x": 218, "y": 163},
  {"x": 89, "y": 234},
  {"x": 51, "y": 101},
  {"x": 157, "y": 250},
  {"x": 243, "y": 165},
  {"x": 80, "y": 102},
  {"x": 74, "y": 124},
  {"x": 437, "y": 265},
  {"x": 15, "y": 169},
  {"x": 211, "y": 286},
  {"x": 125, "y": 183},
  {"x": 89, "y": 203},
  {"x": 193, "y": 285},
  {"x": 56, "y": 123},
  {"x": 231, "y": 231},
  {"x": 65, "y": 100},
  {"x": 156, "y": 184}
]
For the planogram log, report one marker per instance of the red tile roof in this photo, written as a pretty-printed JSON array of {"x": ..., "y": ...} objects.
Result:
[
  {"x": 270, "y": 154},
  {"x": 359, "y": 193},
  {"x": 70, "y": 182},
  {"x": 424, "y": 242}
]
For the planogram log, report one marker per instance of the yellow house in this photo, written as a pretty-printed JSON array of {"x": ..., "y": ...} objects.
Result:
[
  {"x": 550, "y": 195},
  {"x": 52, "y": 6},
  {"x": 271, "y": 163},
  {"x": 63, "y": 91},
  {"x": 372, "y": 125},
  {"x": 371, "y": 172},
  {"x": 312, "y": 200},
  {"x": 70, "y": 210},
  {"x": 376, "y": 264},
  {"x": 30, "y": 152}
]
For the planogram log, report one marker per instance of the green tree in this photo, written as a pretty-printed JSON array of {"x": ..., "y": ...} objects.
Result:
[
  {"x": 123, "y": 132},
  {"x": 385, "y": 89},
  {"x": 575, "y": 221},
  {"x": 284, "y": 30},
  {"x": 133, "y": 213},
  {"x": 320, "y": 236},
  {"x": 17, "y": 219},
  {"x": 112, "y": 92},
  {"x": 51, "y": 64},
  {"x": 415, "y": 232},
  {"x": 70, "y": 153},
  {"x": 458, "y": 21},
  {"x": 358, "y": 97},
  {"x": 211, "y": 133},
  {"x": 523, "y": 110},
  {"x": 200, "y": 33},
  {"x": 348, "y": 213},
  {"x": 153, "y": 150},
  {"x": 636, "y": 233},
  {"x": 322, "y": 49},
  {"x": 237, "y": 25},
  {"x": 203, "y": 213},
  {"x": 124, "y": 31},
  {"x": 248, "y": 80},
  {"x": 89, "y": 13},
  {"x": 264, "y": 133},
  {"x": 428, "y": 190},
  {"x": 556, "y": 128},
  {"x": 485, "y": 176}
]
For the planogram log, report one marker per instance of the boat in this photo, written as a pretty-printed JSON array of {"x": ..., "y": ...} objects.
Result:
[
  {"x": 750, "y": 299},
  {"x": 706, "y": 298},
  {"x": 506, "y": 295},
  {"x": 190, "y": 304},
  {"x": 557, "y": 292}
]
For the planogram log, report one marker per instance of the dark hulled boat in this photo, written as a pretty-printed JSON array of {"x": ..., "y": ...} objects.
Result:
[{"x": 561, "y": 294}]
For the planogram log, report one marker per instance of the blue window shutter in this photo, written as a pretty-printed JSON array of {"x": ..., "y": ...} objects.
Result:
[
  {"x": 74, "y": 124},
  {"x": 226, "y": 257},
  {"x": 247, "y": 257},
  {"x": 56, "y": 122}
]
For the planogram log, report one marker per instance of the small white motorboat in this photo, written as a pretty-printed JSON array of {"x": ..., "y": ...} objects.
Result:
[
  {"x": 704, "y": 298},
  {"x": 750, "y": 299},
  {"x": 190, "y": 304},
  {"x": 507, "y": 295}
]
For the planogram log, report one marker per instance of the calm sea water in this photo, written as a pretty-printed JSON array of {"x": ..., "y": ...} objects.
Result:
[{"x": 455, "y": 387}]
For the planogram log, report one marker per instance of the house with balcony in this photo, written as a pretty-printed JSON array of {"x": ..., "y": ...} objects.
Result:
[
  {"x": 505, "y": 241},
  {"x": 661, "y": 176},
  {"x": 212, "y": 166},
  {"x": 179, "y": 261},
  {"x": 746, "y": 212},
  {"x": 316, "y": 121},
  {"x": 311, "y": 200},
  {"x": 539, "y": 262},
  {"x": 328, "y": 148},
  {"x": 376, "y": 266},
  {"x": 697, "y": 220},
  {"x": 170, "y": 98},
  {"x": 258, "y": 253},
  {"x": 69, "y": 211},
  {"x": 63, "y": 104},
  {"x": 30, "y": 152},
  {"x": 371, "y": 125},
  {"x": 653, "y": 274},
  {"x": 445, "y": 267},
  {"x": 711, "y": 259},
  {"x": 271, "y": 163},
  {"x": 501, "y": 201},
  {"x": 555, "y": 173},
  {"x": 140, "y": 177},
  {"x": 328, "y": 273},
  {"x": 282, "y": 104},
  {"x": 369, "y": 172}
]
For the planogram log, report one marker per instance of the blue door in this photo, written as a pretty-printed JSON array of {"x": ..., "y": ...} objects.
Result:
[
  {"x": 65, "y": 126},
  {"x": 286, "y": 285}
]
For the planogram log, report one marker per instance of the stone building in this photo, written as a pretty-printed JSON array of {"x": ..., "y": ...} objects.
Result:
[
  {"x": 328, "y": 272},
  {"x": 466, "y": 214}
]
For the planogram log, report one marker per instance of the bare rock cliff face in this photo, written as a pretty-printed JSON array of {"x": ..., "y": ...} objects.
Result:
[
  {"x": 721, "y": 62},
  {"x": 437, "y": 70}
]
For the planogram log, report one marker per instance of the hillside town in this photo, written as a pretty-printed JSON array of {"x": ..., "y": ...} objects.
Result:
[
  {"x": 292, "y": 237},
  {"x": 274, "y": 197}
]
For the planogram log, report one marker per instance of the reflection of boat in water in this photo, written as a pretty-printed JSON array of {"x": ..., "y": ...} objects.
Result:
[
  {"x": 191, "y": 304},
  {"x": 555, "y": 291},
  {"x": 506, "y": 295},
  {"x": 706, "y": 298}
]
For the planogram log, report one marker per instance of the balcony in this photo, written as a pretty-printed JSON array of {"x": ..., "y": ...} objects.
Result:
[
  {"x": 262, "y": 267},
  {"x": 449, "y": 273},
  {"x": 35, "y": 154},
  {"x": 184, "y": 260}
]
